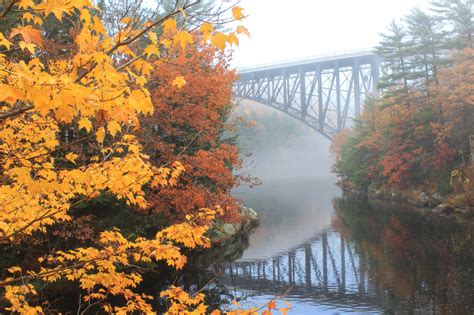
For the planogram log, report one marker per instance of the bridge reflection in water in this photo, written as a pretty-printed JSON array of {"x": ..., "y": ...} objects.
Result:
[
  {"x": 326, "y": 268},
  {"x": 370, "y": 259}
]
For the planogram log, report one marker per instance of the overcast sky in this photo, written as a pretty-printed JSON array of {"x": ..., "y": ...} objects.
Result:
[{"x": 292, "y": 29}]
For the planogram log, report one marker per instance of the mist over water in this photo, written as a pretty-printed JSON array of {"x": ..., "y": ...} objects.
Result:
[
  {"x": 331, "y": 254},
  {"x": 306, "y": 156},
  {"x": 295, "y": 199},
  {"x": 302, "y": 153}
]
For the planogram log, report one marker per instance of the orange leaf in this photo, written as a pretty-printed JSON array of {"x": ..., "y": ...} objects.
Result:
[
  {"x": 242, "y": 30},
  {"x": 29, "y": 34},
  {"x": 271, "y": 305}
]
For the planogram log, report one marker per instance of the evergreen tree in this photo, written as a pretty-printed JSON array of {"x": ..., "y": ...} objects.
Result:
[
  {"x": 459, "y": 15},
  {"x": 426, "y": 36},
  {"x": 395, "y": 50}
]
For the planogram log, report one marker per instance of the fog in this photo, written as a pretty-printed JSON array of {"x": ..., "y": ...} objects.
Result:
[
  {"x": 282, "y": 30},
  {"x": 305, "y": 154},
  {"x": 296, "y": 194}
]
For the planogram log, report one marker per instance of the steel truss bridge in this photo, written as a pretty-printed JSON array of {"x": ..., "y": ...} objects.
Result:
[
  {"x": 326, "y": 268},
  {"x": 325, "y": 93}
]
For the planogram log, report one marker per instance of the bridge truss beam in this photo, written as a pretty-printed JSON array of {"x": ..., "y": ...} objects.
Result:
[{"x": 324, "y": 94}]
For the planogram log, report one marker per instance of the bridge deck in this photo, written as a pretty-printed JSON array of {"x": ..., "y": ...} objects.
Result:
[{"x": 344, "y": 58}]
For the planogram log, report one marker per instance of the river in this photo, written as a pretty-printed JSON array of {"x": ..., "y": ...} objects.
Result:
[{"x": 326, "y": 254}]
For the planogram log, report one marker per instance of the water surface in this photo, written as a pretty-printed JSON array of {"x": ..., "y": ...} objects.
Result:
[{"x": 326, "y": 254}]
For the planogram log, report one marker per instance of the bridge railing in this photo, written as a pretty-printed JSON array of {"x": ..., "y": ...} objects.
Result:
[{"x": 299, "y": 61}]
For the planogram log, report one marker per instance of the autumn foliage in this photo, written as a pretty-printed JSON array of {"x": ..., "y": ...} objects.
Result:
[
  {"x": 418, "y": 135},
  {"x": 424, "y": 147},
  {"x": 188, "y": 125},
  {"x": 77, "y": 103}
]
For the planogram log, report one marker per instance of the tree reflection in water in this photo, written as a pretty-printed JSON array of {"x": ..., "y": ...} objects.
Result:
[{"x": 372, "y": 258}]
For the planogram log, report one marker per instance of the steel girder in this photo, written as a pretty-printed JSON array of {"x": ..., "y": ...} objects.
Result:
[{"x": 324, "y": 94}]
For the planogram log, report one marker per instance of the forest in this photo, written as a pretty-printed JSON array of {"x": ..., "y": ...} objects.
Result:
[
  {"x": 416, "y": 136},
  {"x": 112, "y": 154},
  {"x": 121, "y": 145}
]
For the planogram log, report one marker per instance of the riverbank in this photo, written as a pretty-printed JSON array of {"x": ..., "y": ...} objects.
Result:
[
  {"x": 229, "y": 240},
  {"x": 424, "y": 202}
]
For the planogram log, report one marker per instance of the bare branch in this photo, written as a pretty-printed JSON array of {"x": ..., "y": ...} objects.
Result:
[
  {"x": 16, "y": 111},
  {"x": 8, "y": 8}
]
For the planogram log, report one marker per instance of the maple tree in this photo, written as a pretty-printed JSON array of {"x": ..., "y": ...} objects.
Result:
[
  {"x": 189, "y": 124},
  {"x": 69, "y": 106}
]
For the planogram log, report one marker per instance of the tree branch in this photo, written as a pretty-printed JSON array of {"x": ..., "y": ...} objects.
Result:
[
  {"x": 14, "y": 112},
  {"x": 8, "y": 9}
]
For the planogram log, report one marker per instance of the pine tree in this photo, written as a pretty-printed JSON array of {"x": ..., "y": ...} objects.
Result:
[
  {"x": 459, "y": 15},
  {"x": 395, "y": 50},
  {"x": 426, "y": 37}
]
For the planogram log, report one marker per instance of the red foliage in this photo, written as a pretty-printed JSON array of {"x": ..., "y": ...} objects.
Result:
[{"x": 187, "y": 126}]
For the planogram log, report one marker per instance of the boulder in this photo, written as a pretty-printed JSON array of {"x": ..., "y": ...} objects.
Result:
[
  {"x": 443, "y": 209},
  {"x": 229, "y": 229},
  {"x": 460, "y": 211},
  {"x": 223, "y": 232},
  {"x": 424, "y": 199},
  {"x": 437, "y": 198},
  {"x": 249, "y": 213}
]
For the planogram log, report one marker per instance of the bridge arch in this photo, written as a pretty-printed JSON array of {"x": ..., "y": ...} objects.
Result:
[{"x": 326, "y": 93}]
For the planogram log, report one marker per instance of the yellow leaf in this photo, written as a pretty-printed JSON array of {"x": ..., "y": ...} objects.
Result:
[
  {"x": 237, "y": 13},
  {"x": 113, "y": 127},
  {"x": 100, "y": 134},
  {"x": 126, "y": 20},
  {"x": 29, "y": 47},
  {"x": 206, "y": 27},
  {"x": 5, "y": 42},
  {"x": 86, "y": 17},
  {"x": 183, "y": 38},
  {"x": 169, "y": 26},
  {"x": 219, "y": 40},
  {"x": 71, "y": 157},
  {"x": 141, "y": 80},
  {"x": 141, "y": 101},
  {"x": 166, "y": 43},
  {"x": 153, "y": 38},
  {"x": 206, "y": 30},
  {"x": 151, "y": 50},
  {"x": 179, "y": 82},
  {"x": 182, "y": 11},
  {"x": 98, "y": 25},
  {"x": 56, "y": 7},
  {"x": 10, "y": 94},
  {"x": 38, "y": 20},
  {"x": 25, "y": 4},
  {"x": 232, "y": 39},
  {"x": 14, "y": 269},
  {"x": 85, "y": 123},
  {"x": 28, "y": 17}
]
